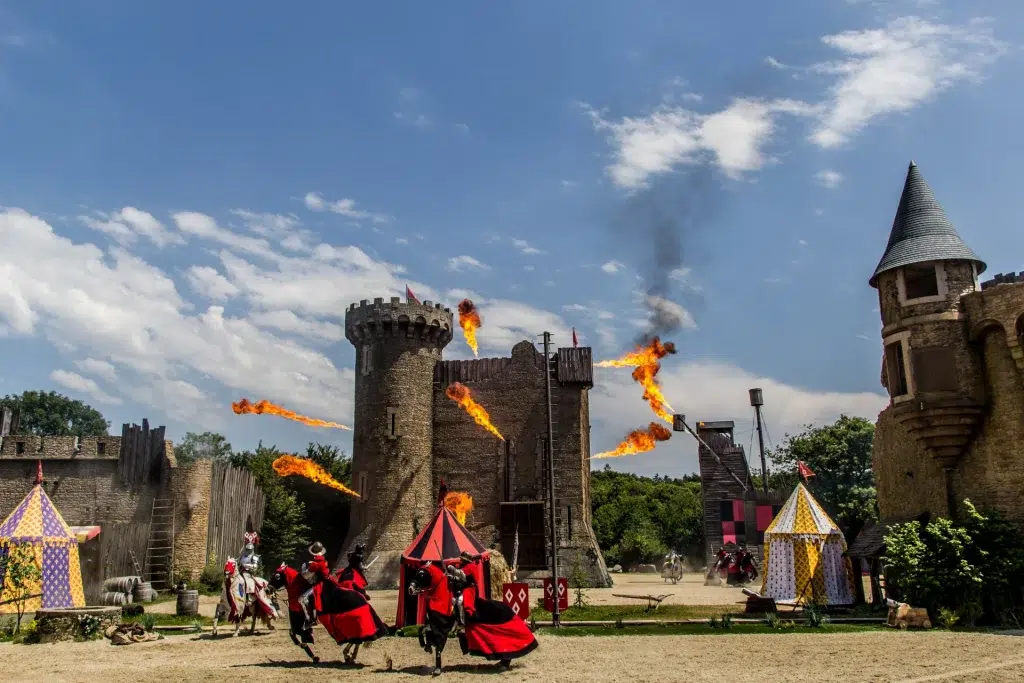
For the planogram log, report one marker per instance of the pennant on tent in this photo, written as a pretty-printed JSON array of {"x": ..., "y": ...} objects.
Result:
[{"x": 804, "y": 470}]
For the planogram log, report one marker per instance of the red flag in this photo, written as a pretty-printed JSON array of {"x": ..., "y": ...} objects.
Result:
[
  {"x": 804, "y": 470},
  {"x": 410, "y": 297},
  {"x": 575, "y": 341}
]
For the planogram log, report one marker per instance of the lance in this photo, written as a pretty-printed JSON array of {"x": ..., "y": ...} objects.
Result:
[{"x": 371, "y": 562}]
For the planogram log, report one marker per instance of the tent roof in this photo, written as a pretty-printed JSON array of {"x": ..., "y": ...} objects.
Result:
[
  {"x": 36, "y": 519},
  {"x": 443, "y": 539},
  {"x": 802, "y": 515}
]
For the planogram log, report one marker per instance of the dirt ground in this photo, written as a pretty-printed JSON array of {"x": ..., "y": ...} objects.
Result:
[{"x": 870, "y": 657}]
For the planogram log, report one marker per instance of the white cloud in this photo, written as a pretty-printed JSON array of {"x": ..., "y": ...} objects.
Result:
[
  {"x": 774, "y": 63},
  {"x": 612, "y": 267},
  {"x": 83, "y": 385},
  {"x": 128, "y": 224},
  {"x": 401, "y": 240},
  {"x": 207, "y": 282},
  {"x": 802, "y": 243},
  {"x": 828, "y": 178},
  {"x": 460, "y": 263},
  {"x": 114, "y": 305},
  {"x": 679, "y": 274},
  {"x": 897, "y": 68},
  {"x": 285, "y": 229},
  {"x": 287, "y": 321},
  {"x": 733, "y": 139},
  {"x": 343, "y": 207},
  {"x": 99, "y": 368},
  {"x": 205, "y": 227},
  {"x": 462, "y": 128},
  {"x": 709, "y": 391},
  {"x": 524, "y": 246}
]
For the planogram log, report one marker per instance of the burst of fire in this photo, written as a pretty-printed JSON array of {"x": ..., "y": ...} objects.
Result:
[
  {"x": 646, "y": 361},
  {"x": 459, "y": 504},
  {"x": 638, "y": 441},
  {"x": 245, "y": 406},
  {"x": 469, "y": 319},
  {"x": 459, "y": 393},
  {"x": 288, "y": 465}
]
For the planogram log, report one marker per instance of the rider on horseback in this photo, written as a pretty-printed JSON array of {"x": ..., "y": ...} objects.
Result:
[{"x": 314, "y": 571}]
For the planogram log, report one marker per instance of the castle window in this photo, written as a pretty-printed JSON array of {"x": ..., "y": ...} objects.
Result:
[
  {"x": 896, "y": 369},
  {"x": 366, "y": 361},
  {"x": 934, "y": 369},
  {"x": 19, "y": 448},
  {"x": 361, "y": 486},
  {"x": 393, "y": 431},
  {"x": 101, "y": 448},
  {"x": 922, "y": 283}
]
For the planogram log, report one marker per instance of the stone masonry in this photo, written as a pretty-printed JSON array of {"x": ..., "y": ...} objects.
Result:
[
  {"x": 407, "y": 436},
  {"x": 954, "y": 368}
]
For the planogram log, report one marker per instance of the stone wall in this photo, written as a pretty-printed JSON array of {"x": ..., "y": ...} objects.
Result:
[
  {"x": 471, "y": 459},
  {"x": 59, "y": 447},
  {"x": 907, "y": 480},
  {"x": 190, "y": 491}
]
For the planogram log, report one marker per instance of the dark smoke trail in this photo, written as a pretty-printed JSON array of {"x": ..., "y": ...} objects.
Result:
[{"x": 661, "y": 221}]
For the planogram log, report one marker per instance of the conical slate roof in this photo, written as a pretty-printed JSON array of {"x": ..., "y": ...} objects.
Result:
[{"x": 921, "y": 231}]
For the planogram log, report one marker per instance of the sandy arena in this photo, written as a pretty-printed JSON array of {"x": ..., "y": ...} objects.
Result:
[{"x": 889, "y": 656}]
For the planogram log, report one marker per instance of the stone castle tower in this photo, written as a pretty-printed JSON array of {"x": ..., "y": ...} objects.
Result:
[
  {"x": 397, "y": 346},
  {"x": 408, "y": 435},
  {"x": 954, "y": 369}
]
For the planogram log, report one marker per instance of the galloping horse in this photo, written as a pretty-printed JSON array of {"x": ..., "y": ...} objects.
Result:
[
  {"x": 672, "y": 569},
  {"x": 242, "y": 597}
]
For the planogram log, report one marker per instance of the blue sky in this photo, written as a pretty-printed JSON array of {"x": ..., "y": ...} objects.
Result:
[{"x": 193, "y": 194}]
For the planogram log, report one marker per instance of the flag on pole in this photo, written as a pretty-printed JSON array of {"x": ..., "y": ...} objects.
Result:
[
  {"x": 804, "y": 470},
  {"x": 410, "y": 297},
  {"x": 575, "y": 341}
]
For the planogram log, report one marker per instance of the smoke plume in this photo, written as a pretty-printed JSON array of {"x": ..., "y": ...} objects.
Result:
[{"x": 659, "y": 223}]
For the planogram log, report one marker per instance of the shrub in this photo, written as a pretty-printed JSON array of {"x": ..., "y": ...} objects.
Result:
[
  {"x": 148, "y": 621},
  {"x": 726, "y": 622},
  {"x": 947, "y": 618},
  {"x": 212, "y": 578},
  {"x": 815, "y": 615},
  {"x": 773, "y": 620},
  {"x": 579, "y": 581}
]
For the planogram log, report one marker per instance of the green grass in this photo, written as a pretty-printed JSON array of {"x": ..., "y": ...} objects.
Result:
[
  {"x": 702, "y": 630},
  {"x": 628, "y": 612}
]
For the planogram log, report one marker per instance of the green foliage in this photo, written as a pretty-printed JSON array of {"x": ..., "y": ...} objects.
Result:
[
  {"x": 20, "y": 575},
  {"x": 638, "y": 519},
  {"x": 47, "y": 413},
  {"x": 930, "y": 565},
  {"x": 815, "y": 615},
  {"x": 89, "y": 626},
  {"x": 773, "y": 620},
  {"x": 948, "y": 618},
  {"x": 205, "y": 446},
  {"x": 284, "y": 532},
  {"x": 725, "y": 621},
  {"x": 148, "y": 621},
  {"x": 578, "y": 581},
  {"x": 713, "y": 622},
  {"x": 839, "y": 454}
]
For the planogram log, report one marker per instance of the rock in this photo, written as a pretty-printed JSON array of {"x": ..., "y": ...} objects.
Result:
[
  {"x": 617, "y": 569},
  {"x": 75, "y": 623}
]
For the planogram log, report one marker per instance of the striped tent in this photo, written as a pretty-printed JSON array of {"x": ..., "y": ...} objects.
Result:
[
  {"x": 804, "y": 555},
  {"x": 37, "y": 525},
  {"x": 443, "y": 540}
]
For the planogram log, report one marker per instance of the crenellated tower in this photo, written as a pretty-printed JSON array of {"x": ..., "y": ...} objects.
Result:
[
  {"x": 933, "y": 374},
  {"x": 397, "y": 346}
]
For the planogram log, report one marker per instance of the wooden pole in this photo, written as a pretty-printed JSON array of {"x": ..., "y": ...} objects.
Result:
[{"x": 757, "y": 400}]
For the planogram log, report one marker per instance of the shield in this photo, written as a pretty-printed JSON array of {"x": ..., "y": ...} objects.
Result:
[
  {"x": 517, "y": 596},
  {"x": 563, "y": 594}
]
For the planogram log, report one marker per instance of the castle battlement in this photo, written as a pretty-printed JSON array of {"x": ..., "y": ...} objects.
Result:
[
  {"x": 32, "y": 447},
  {"x": 428, "y": 320}
]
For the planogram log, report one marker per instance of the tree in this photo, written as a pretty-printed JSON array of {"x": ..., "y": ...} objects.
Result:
[
  {"x": 205, "y": 446},
  {"x": 839, "y": 454},
  {"x": 284, "y": 531},
  {"x": 19, "y": 575},
  {"x": 51, "y": 414}
]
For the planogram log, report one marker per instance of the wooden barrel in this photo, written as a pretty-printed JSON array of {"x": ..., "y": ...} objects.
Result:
[
  {"x": 114, "y": 598},
  {"x": 143, "y": 592},
  {"x": 188, "y": 604},
  {"x": 121, "y": 584}
]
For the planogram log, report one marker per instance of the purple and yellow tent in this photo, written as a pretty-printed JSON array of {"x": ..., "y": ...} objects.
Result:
[{"x": 36, "y": 524}]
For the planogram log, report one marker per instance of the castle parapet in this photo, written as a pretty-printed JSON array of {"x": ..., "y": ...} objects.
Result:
[
  {"x": 29, "y": 446},
  {"x": 427, "y": 320}
]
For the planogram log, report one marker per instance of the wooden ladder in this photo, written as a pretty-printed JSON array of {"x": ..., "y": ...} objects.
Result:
[{"x": 160, "y": 551}]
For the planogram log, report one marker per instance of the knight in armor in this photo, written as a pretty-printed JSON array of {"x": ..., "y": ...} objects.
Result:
[
  {"x": 353, "y": 577},
  {"x": 314, "y": 571},
  {"x": 249, "y": 561}
]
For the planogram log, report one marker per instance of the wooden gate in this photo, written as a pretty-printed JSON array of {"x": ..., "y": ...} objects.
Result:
[
  {"x": 234, "y": 498},
  {"x": 528, "y": 517}
]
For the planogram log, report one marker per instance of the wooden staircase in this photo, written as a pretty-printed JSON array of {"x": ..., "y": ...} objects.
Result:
[{"x": 160, "y": 551}]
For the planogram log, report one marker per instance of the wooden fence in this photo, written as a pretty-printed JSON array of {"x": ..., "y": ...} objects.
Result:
[
  {"x": 117, "y": 543},
  {"x": 143, "y": 456},
  {"x": 234, "y": 499}
]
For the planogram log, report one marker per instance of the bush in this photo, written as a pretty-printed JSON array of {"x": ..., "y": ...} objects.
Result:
[
  {"x": 973, "y": 568},
  {"x": 773, "y": 620},
  {"x": 148, "y": 621},
  {"x": 132, "y": 610},
  {"x": 815, "y": 615},
  {"x": 212, "y": 578}
]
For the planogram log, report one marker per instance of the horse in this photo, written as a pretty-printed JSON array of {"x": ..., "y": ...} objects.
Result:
[
  {"x": 490, "y": 629},
  {"x": 672, "y": 569},
  {"x": 243, "y": 596},
  {"x": 748, "y": 568}
]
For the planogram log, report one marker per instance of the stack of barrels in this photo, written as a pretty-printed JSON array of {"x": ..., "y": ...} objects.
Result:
[{"x": 124, "y": 590}]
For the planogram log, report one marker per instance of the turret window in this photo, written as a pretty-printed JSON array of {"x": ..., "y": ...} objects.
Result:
[
  {"x": 896, "y": 369},
  {"x": 922, "y": 283},
  {"x": 393, "y": 426},
  {"x": 366, "y": 360}
]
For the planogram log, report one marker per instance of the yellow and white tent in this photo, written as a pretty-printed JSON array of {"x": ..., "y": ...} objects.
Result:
[{"x": 803, "y": 559}]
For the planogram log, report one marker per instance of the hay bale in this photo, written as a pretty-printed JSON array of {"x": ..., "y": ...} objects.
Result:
[{"x": 500, "y": 574}]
